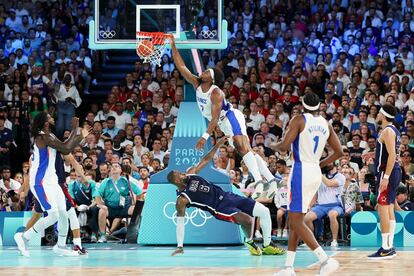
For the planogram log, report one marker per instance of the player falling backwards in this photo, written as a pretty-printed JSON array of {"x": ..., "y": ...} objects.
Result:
[
  {"x": 44, "y": 181},
  {"x": 307, "y": 134},
  {"x": 215, "y": 108},
  {"x": 388, "y": 178},
  {"x": 195, "y": 191}
]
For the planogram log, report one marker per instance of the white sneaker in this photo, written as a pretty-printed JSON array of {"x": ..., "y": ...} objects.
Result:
[
  {"x": 287, "y": 271},
  {"x": 22, "y": 244},
  {"x": 329, "y": 266},
  {"x": 285, "y": 234},
  {"x": 258, "y": 235},
  {"x": 102, "y": 239},
  {"x": 270, "y": 188},
  {"x": 258, "y": 189},
  {"x": 64, "y": 251},
  {"x": 334, "y": 243}
]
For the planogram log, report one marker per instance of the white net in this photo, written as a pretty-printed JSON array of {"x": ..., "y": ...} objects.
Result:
[{"x": 158, "y": 40}]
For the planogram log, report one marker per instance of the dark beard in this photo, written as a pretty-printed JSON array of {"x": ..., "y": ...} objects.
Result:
[{"x": 380, "y": 122}]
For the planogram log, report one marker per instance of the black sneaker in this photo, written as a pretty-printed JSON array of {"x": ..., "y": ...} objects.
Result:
[
  {"x": 383, "y": 254},
  {"x": 81, "y": 251}
]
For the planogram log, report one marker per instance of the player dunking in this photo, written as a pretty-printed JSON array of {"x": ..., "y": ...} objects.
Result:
[
  {"x": 307, "y": 134},
  {"x": 388, "y": 178},
  {"x": 215, "y": 108},
  {"x": 44, "y": 181},
  {"x": 197, "y": 192}
]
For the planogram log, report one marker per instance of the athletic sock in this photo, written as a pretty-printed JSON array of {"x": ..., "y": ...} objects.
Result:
[
  {"x": 63, "y": 228},
  {"x": 77, "y": 241},
  {"x": 264, "y": 170},
  {"x": 320, "y": 253},
  {"x": 251, "y": 163},
  {"x": 263, "y": 213},
  {"x": 385, "y": 241},
  {"x": 392, "y": 233},
  {"x": 290, "y": 258}
]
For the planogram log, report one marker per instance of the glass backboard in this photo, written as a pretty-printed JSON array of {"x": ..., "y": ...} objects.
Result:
[{"x": 196, "y": 24}]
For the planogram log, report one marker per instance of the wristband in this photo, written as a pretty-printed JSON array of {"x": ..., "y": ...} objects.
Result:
[
  {"x": 206, "y": 136},
  {"x": 386, "y": 176}
]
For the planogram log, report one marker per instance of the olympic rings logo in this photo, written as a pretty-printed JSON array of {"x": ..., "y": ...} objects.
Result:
[
  {"x": 107, "y": 34},
  {"x": 192, "y": 217},
  {"x": 208, "y": 34}
]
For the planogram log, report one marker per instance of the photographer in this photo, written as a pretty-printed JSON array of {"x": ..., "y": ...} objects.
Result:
[
  {"x": 351, "y": 194},
  {"x": 402, "y": 199},
  {"x": 9, "y": 191},
  {"x": 6, "y": 140}
]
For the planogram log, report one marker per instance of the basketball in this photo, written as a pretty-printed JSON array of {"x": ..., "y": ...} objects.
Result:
[{"x": 145, "y": 49}]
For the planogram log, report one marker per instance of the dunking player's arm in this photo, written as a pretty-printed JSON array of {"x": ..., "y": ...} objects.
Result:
[
  {"x": 388, "y": 137},
  {"x": 182, "y": 201},
  {"x": 179, "y": 63}
]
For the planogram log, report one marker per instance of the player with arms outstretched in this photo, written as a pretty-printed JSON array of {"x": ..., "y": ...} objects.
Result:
[
  {"x": 307, "y": 135},
  {"x": 44, "y": 181},
  {"x": 215, "y": 108},
  {"x": 388, "y": 178},
  {"x": 195, "y": 191}
]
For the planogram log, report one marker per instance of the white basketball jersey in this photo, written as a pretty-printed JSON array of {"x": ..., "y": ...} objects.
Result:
[
  {"x": 43, "y": 169},
  {"x": 204, "y": 102},
  {"x": 308, "y": 146}
]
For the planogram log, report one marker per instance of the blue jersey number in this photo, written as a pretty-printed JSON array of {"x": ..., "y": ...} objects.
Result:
[{"x": 316, "y": 139}]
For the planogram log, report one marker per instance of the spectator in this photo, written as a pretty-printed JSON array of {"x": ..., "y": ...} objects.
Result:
[
  {"x": 402, "y": 199},
  {"x": 9, "y": 191},
  {"x": 111, "y": 130},
  {"x": 115, "y": 199},
  {"x": 68, "y": 100},
  {"x": 121, "y": 118},
  {"x": 328, "y": 202},
  {"x": 6, "y": 140},
  {"x": 351, "y": 194}
]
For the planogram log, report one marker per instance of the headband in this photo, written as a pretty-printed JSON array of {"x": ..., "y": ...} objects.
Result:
[
  {"x": 211, "y": 73},
  {"x": 386, "y": 114},
  {"x": 310, "y": 108}
]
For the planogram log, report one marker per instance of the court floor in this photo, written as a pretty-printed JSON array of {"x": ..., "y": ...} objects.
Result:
[{"x": 109, "y": 259}]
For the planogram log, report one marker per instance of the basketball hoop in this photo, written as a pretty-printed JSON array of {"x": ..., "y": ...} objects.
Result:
[{"x": 151, "y": 46}]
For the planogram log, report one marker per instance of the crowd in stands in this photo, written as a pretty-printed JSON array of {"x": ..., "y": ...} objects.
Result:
[{"x": 355, "y": 54}]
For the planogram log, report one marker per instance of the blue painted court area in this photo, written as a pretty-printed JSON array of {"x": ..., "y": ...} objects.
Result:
[{"x": 150, "y": 257}]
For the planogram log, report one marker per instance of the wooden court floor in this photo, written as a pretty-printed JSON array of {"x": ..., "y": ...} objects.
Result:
[{"x": 352, "y": 263}]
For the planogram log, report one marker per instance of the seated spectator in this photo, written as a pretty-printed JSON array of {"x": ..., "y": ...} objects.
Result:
[
  {"x": 281, "y": 202},
  {"x": 111, "y": 129},
  {"x": 402, "y": 199},
  {"x": 115, "y": 199},
  {"x": 351, "y": 194},
  {"x": 9, "y": 191},
  {"x": 328, "y": 202},
  {"x": 6, "y": 140}
]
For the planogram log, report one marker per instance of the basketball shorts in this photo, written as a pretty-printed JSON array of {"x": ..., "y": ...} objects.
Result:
[
  {"x": 233, "y": 124},
  {"x": 50, "y": 197},
  {"x": 304, "y": 182},
  {"x": 232, "y": 204},
  {"x": 38, "y": 208},
  {"x": 388, "y": 196}
]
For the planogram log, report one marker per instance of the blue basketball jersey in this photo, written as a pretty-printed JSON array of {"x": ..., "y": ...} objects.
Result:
[
  {"x": 60, "y": 169},
  {"x": 203, "y": 194},
  {"x": 381, "y": 152}
]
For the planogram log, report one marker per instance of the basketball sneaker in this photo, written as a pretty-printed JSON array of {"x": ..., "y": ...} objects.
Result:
[
  {"x": 81, "y": 251},
  {"x": 270, "y": 188},
  {"x": 253, "y": 248},
  {"x": 287, "y": 271},
  {"x": 328, "y": 266},
  {"x": 334, "y": 244},
  {"x": 258, "y": 189},
  {"x": 63, "y": 251},
  {"x": 22, "y": 244},
  {"x": 383, "y": 254},
  {"x": 93, "y": 238},
  {"x": 272, "y": 249},
  {"x": 102, "y": 239}
]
